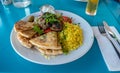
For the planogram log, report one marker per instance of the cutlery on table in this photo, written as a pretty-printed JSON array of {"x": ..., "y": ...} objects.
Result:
[
  {"x": 103, "y": 32},
  {"x": 111, "y": 33}
]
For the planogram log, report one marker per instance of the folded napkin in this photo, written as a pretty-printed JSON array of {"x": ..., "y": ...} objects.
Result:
[{"x": 110, "y": 57}]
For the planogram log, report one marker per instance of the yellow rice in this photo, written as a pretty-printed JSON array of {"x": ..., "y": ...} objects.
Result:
[{"x": 71, "y": 37}]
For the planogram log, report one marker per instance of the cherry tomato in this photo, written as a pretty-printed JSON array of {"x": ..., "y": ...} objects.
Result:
[
  {"x": 47, "y": 30},
  {"x": 67, "y": 19}
]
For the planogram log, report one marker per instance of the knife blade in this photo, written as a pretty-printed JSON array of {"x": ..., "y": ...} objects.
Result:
[{"x": 110, "y": 32}]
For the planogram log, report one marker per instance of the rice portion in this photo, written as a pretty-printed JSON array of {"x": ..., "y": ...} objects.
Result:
[{"x": 71, "y": 37}]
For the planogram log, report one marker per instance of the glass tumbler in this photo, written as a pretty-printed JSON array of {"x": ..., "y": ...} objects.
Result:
[
  {"x": 21, "y": 3},
  {"x": 91, "y": 7},
  {"x": 6, "y": 2}
]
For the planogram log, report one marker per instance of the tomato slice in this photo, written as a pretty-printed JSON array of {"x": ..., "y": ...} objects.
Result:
[
  {"x": 67, "y": 19},
  {"x": 47, "y": 30}
]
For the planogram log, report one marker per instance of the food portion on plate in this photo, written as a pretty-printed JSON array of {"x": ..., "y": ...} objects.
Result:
[
  {"x": 71, "y": 37},
  {"x": 50, "y": 33}
]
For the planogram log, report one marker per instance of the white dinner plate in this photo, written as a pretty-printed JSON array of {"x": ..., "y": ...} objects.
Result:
[{"x": 36, "y": 57}]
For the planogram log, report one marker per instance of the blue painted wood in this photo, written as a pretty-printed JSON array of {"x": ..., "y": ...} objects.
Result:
[
  {"x": 114, "y": 8},
  {"x": 92, "y": 62}
]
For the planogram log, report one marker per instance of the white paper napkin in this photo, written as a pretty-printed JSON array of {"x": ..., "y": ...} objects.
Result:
[{"x": 107, "y": 50}]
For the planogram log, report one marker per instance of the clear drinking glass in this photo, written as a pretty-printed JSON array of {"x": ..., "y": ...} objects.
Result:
[
  {"x": 91, "y": 7},
  {"x": 6, "y": 2},
  {"x": 21, "y": 3}
]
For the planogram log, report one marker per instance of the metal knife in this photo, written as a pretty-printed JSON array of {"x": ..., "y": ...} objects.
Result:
[{"x": 111, "y": 33}]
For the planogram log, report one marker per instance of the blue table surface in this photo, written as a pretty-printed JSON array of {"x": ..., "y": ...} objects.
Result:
[{"x": 91, "y": 62}]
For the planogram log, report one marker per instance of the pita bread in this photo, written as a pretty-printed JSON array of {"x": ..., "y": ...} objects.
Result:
[
  {"x": 23, "y": 25},
  {"x": 50, "y": 52},
  {"x": 24, "y": 41},
  {"x": 27, "y": 33},
  {"x": 48, "y": 40}
]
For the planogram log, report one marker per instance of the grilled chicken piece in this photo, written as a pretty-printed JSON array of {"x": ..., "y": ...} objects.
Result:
[
  {"x": 48, "y": 40},
  {"x": 23, "y": 25},
  {"x": 27, "y": 33},
  {"x": 24, "y": 41}
]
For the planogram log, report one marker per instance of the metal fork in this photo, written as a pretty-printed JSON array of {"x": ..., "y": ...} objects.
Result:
[{"x": 103, "y": 32}]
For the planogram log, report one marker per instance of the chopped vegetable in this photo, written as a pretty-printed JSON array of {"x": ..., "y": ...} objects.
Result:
[
  {"x": 51, "y": 21},
  {"x": 37, "y": 29},
  {"x": 47, "y": 30},
  {"x": 67, "y": 19},
  {"x": 56, "y": 27},
  {"x": 31, "y": 19},
  {"x": 50, "y": 18}
]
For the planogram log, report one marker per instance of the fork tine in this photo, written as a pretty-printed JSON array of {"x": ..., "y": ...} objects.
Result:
[{"x": 101, "y": 29}]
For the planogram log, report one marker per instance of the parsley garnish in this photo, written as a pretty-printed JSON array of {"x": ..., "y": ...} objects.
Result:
[
  {"x": 37, "y": 29},
  {"x": 50, "y": 18}
]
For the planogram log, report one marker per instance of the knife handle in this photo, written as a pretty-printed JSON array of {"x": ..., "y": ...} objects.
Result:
[
  {"x": 118, "y": 41},
  {"x": 115, "y": 48}
]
